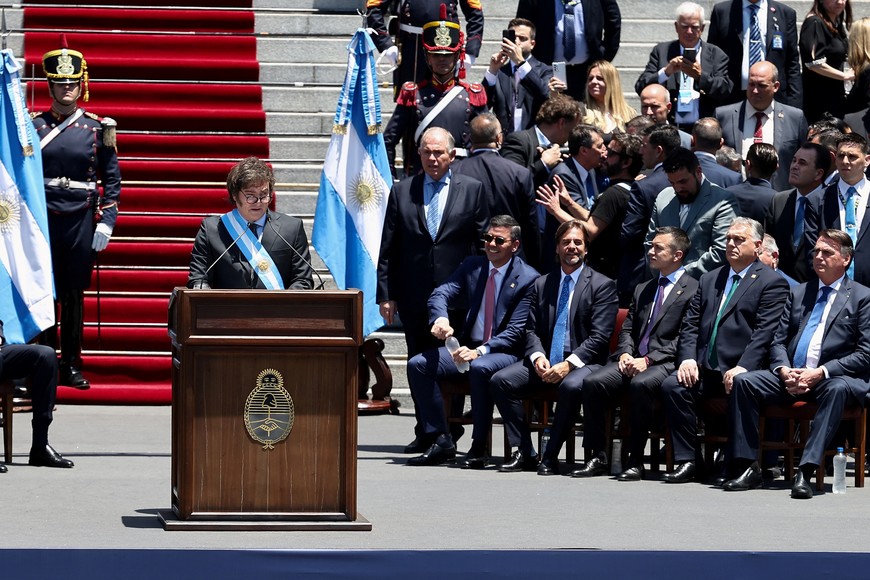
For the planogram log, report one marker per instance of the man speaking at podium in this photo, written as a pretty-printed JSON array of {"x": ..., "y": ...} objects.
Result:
[{"x": 250, "y": 246}]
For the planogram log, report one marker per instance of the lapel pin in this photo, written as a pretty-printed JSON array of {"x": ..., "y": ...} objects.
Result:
[
  {"x": 513, "y": 284},
  {"x": 679, "y": 292},
  {"x": 754, "y": 276}
]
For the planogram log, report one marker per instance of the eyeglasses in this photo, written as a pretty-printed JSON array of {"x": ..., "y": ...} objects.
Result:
[
  {"x": 254, "y": 199},
  {"x": 487, "y": 238},
  {"x": 692, "y": 28}
]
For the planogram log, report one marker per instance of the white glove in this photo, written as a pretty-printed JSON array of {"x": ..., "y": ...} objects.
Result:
[
  {"x": 392, "y": 53},
  {"x": 101, "y": 237}
]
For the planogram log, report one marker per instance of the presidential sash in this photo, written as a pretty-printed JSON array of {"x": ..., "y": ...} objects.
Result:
[{"x": 251, "y": 248}]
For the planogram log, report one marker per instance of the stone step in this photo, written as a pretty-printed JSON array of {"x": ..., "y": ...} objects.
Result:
[
  {"x": 295, "y": 123},
  {"x": 306, "y": 175},
  {"x": 299, "y": 149}
]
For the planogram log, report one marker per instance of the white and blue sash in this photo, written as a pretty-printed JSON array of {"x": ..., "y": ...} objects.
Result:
[{"x": 257, "y": 256}]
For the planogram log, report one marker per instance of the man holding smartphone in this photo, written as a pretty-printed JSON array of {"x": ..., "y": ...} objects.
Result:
[{"x": 694, "y": 72}]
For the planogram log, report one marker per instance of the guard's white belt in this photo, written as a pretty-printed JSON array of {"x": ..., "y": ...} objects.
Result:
[
  {"x": 67, "y": 183},
  {"x": 411, "y": 29}
]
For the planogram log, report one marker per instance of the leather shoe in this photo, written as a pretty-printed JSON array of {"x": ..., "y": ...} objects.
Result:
[
  {"x": 72, "y": 377},
  {"x": 475, "y": 459},
  {"x": 749, "y": 479},
  {"x": 801, "y": 488},
  {"x": 548, "y": 466},
  {"x": 48, "y": 457},
  {"x": 442, "y": 451},
  {"x": 683, "y": 474},
  {"x": 519, "y": 462},
  {"x": 631, "y": 474},
  {"x": 3, "y": 468},
  {"x": 418, "y": 445},
  {"x": 593, "y": 467}
]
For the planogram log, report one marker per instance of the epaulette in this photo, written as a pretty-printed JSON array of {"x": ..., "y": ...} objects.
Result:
[
  {"x": 35, "y": 114},
  {"x": 476, "y": 94},
  {"x": 90, "y": 115},
  {"x": 408, "y": 95}
]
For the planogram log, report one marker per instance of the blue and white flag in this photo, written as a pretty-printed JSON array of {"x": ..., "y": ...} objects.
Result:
[
  {"x": 26, "y": 290},
  {"x": 355, "y": 183}
]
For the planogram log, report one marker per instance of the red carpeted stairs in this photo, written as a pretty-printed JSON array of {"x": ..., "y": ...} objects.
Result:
[{"x": 182, "y": 85}]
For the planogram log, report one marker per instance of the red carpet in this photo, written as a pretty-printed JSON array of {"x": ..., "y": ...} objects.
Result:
[{"x": 154, "y": 70}]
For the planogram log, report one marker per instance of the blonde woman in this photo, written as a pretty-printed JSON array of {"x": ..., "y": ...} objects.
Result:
[
  {"x": 605, "y": 106},
  {"x": 859, "y": 60}
]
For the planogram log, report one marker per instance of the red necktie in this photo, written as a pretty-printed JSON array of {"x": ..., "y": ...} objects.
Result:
[
  {"x": 489, "y": 305},
  {"x": 759, "y": 120}
]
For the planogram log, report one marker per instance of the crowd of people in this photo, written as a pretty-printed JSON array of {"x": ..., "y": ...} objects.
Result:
[{"x": 726, "y": 217}]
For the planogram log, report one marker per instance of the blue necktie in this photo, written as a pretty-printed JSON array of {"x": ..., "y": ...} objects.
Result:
[
  {"x": 570, "y": 41},
  {"x": 712, "y": 354},
  {"x": 557, "y": 347},
  {"x": 755, "y": 42},
  {"x": 851, "y": 225},
  {"x": 800, "y": 353},
  {"x": 643, "y": 348},
  {"x": 590, "y": 191},
  {"x": 798, "y": 232},
  {"x": 433, "y": 217}
]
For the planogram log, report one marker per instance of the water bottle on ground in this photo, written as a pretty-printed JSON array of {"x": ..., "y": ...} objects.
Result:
[
  {"x": 839, "y": 471},
  {"x": 452, "y": 346}
]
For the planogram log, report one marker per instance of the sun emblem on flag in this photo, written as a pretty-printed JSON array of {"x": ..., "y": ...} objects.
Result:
[
  {"x": 366, "y": 192},
  {"x": 10, "y": 212}
]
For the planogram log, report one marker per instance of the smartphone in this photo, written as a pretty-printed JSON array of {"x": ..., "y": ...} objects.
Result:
[
  {"x": 559, "y": 72},
  {"x": 689, "y": 54},
  {"x": 510, "y": 35}
]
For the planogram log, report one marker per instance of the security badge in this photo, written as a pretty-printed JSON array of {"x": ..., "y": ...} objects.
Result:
[{"x": 269, "y": 410}]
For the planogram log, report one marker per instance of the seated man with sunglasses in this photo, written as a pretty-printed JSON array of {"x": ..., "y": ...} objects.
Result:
[
  {"x": 250, "y": 246},
  {"x": 496, "y": 287}
]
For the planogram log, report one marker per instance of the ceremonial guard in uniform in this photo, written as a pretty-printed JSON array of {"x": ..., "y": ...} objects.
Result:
[
  {"x": 78, "y": 148},
  {"x": 407, "y": 51},
  {"x": 443, "y": 99}
]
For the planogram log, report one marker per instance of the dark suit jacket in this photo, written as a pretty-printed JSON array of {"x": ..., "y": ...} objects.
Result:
[
  {"x": 511, "y": 308},
  {"x": 601, "y": 19},
  {"x": 591, "y": 317},
  {"x": 748, "y": 323},
  {"x": 713, "y": 84},
  {"x": 846, "y": 339},
  {"x": 411, "y": 264},
  {"x": 823, "y": 212},
  {"x": 725, "y": 31},
  {"x": 789, "y": 131},
  {"x": 642, "y": 198},
  {"x": 232, "y": 270},
  {"x": 532, "y": 91},
  {"x": 521, "y": 147},
  {"x": 779, "y": 223},
  {"x": 753, "y": 198},
  {"x": 666, "y": 327},
  {"x": 721, "y": 176}
]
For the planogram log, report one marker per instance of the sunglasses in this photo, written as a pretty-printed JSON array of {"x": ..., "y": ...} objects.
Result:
[{"x": 489, "y": 238}]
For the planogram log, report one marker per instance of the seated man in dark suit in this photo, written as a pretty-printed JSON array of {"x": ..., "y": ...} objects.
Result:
[
  {"x": 755, "y": 195},
  {"x": 727, "y": 329},
  {"x": 251, "y": 247},
  {"x": 497, "y": 289},
  {"x": 571, "y": 318},
  {"x": 821, "y": 353},
  {"x": 39, "y": 362},
  {"x": 644, "y": 356}
]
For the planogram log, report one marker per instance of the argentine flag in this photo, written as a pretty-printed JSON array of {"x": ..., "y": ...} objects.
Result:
[
  {"x": 355, "y": 183},
  {"x": 26, "y": 291}
]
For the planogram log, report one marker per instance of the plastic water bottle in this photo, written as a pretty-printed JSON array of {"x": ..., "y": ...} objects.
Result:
[
  {"x": 452, "y": 346},
  {"x": 545, "y": 439},
  {"x": 839, "y": 471}
]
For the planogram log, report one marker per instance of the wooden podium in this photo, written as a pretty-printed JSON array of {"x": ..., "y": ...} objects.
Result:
[{"x": 247, "y": 366}]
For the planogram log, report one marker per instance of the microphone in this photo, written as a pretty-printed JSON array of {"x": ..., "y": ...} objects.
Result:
[
  {"x": 224, "y": 253},
  {"x": 295, "y": 251}
]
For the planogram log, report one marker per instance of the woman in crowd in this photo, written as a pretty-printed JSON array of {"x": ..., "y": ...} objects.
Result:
[
  {"x": 823, "y": 46},
  {"x": 605, "y": 106},
  {"x": 859, "y": 60}
]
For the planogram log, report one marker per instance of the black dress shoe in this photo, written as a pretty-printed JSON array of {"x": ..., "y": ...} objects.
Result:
[
  {"x": 48, "y": 457},
  {"x": 548, "y": 466},
  {"x": 749, "y": 479},
  {"x": 631, "y": 474},
  {"x": 3, "y": 468},
  {"x": 801, "y": 488},
  {"x": 683, "y": 474},
  {"x": 474, "y": 462},
  {"x": 420, "y": 444},
  {"x": 442, "y": 451},
  {"x": 519, "y": 462},
  {"x": 593, "y": 467},
  {"x": 72, "y": 377}
]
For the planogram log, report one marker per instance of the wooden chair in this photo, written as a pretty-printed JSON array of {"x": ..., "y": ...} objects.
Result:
[
  {"x": 460, "y": 386},
  {"x": 622, "y": 406},
  {"x": 7, "y": 395},
  {"x": 371, "y": 357}
]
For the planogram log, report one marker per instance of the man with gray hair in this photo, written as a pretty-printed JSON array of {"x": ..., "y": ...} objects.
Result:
[
  {"x": 769, "y": 256},
  {"x": 694, "y": 72}
]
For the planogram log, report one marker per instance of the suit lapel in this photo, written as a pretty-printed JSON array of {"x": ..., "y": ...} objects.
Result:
[
  {"x": 647, "y": 298},
  {"x": 418, "y": 196},
  {"x": 454, "y": 190},
  {"x": 865, "y": 224},
  {"x": 747, "y": 281},
  {"x": 831, "y": 206},
  {"x": 477, "y": 290},
  {"x": 673, "y": 296},
  {"x": 582, "y": 286},
  {"x": 779, "y": 124},
  {"x": 840, "y": 300},
  {"x": 705, "y": 197},
  {"x": 505, "y": 294}
]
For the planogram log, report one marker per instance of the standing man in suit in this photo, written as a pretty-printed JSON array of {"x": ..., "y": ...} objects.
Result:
[
  {"x": 517, "y": 83},
  {"x": 507, "y": 187},
  {"x": 433, "y": 222},
  {"x": 694, "y": 72},
  {"x": 727, "y": 330},
  {"x": 576, "y": 33},
  {"x": 821, "y": 353},
  {"x": 703, "y": 210},
  {"x": 755, "y": 194},
  {"x": 759, "y": 118},
  {"x": 581, "y": 171},
  {"x": 644, "y": 356},
  {"x": 229, "y": 253},
  {"x": 843, "y": 205},
  {"x": 750, "y": 31},
  {"x": 706, "y": 141},
  {"x": 571, "y": 318},
  {"x": 785, "y": 216},
  {"x": 497, "y": 289}
]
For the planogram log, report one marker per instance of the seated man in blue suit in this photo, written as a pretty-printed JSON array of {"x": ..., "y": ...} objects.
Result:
[
  {"x": 821, "y": 353},
  {"x": 497, "y": 289}
]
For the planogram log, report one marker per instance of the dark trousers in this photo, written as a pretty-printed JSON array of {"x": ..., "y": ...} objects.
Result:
[
  {"x": 680, "y": 408},
  {"x": 38, "y": 362}
]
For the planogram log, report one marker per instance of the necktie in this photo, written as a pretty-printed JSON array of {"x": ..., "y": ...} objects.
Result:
[
  {"x": 557, "y": 347},
  {"x": 798, "y": 232},
  {"x": 759, "y": 121},
  {"x": 570, "y": 41},
  {"x": 755, "y": 43},
  {"x": 684, "y": 211},
  {"x": 851, "y": 224},
  {"x": 489, "y": 305},
  {"x": 800, "y": 353},
  {"x": 255, "y": 228},
  {"x": 590, "y": 191},
  {"x": 643, "y": 348},
  {"x": 433, "y": 217},
  {"x": 712, "y": 355}
]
